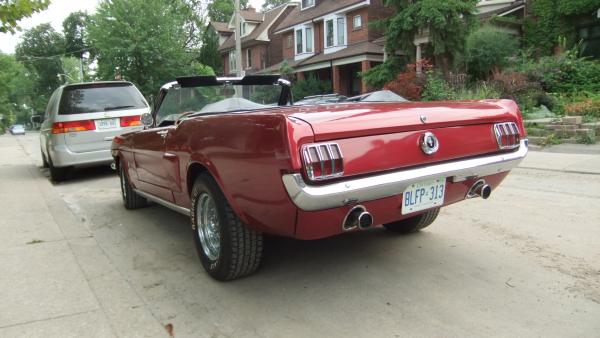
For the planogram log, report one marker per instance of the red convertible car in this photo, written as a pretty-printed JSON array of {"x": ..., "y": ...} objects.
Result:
[{"x": 241, "y": 160}]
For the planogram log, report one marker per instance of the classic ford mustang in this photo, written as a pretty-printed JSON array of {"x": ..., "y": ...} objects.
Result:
[{"x": 241, "y": 160}]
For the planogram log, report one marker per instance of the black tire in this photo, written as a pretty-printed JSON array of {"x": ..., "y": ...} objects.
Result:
[
  {"x": 131, "y": 199},
  {"x": 44, "y": 160},
  {"x": 413, "y": 224},
  {"x": 57, "y": 174},
  {"x": 240, "y": 248}
]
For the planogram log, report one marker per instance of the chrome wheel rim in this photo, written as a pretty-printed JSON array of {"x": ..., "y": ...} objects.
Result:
[{"x": 208, "y": 227}]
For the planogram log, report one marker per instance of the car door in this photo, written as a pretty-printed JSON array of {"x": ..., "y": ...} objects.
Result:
[{"x": 154, "y": 166}]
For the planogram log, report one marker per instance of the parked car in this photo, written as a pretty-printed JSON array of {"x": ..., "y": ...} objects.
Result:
[
  {"x": 242, "y": 169},
  {"x": 82, "y": 119},
  {"x": 17, "y": 129}
]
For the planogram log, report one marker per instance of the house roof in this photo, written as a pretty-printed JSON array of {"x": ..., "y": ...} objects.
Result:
[
  {"x": 269, "y": 18},
  {"x": 276, "y": 68},
  {"x": 501, "y": 11},
  {"x": 298, "y": 16},
  {"x": 251, "y": 15},
  {"x": 359, "y": 48},
  {"x": 221, "y": 27}
]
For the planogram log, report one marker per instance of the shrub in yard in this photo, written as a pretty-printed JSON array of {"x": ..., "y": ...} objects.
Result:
[
  {"x": 407, "y": 84},
  {"x": 310, "y": 86},
  {"x": 588, "y": 107},
  {"x": 436, "y": 88},
  {"x": 479, "y": 91},
  {"x": 487, "y": 51}
]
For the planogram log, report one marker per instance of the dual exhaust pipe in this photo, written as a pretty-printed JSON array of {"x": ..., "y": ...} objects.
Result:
[{"x": 357, "y": 217}]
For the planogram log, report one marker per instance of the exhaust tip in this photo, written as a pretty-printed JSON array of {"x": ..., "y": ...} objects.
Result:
[
  {"x": 365, "y": 220},
  {"x": 485, "y": 191},
  {"x": 353, "y": 218},
  {"x": 480, "y": 189}
]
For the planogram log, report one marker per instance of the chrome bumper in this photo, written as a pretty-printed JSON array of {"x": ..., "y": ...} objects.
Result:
[{"x": 313, "y": 198}]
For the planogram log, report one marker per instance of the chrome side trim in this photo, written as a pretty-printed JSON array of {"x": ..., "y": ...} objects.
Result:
[
  {"x": 354, "y": 191},
  {"x": 164, "y": 203}
]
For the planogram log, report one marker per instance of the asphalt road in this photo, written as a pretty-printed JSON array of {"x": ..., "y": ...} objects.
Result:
[{"x": 526, "y": 262}]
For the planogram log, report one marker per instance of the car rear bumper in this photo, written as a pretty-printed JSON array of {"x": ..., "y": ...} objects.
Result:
[
  {"x": 62, "y": 157},
  {"x": 354, "y": 191}
]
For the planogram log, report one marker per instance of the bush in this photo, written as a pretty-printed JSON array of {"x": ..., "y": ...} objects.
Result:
[
  {"x": 407, "y": 84},
  {"x": 381, "y": 74},
  {"x": 436, "y": 88},
  {"x": 310, "y": 86},
  {"x": 480, "y": 91},
  {"x": 487, "y": 51},
  {"x": 588, "y": 107}
]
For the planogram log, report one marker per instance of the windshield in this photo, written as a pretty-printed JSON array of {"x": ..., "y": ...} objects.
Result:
[
  {"x": 100, "y": 97},
  {"x": 180, "y": 101}
]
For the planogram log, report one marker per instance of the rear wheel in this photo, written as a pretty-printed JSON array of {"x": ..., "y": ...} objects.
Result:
[
  {"x": 414, "y": 223},
  {"x": 226, "y": 247},
  {"x": 131, "y": 199},
  {"x": 57, "y": 174}
]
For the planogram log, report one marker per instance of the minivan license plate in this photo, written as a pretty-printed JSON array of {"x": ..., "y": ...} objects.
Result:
[
  {"x": 107, "y": 123},
  {"x": 423, "y": 195}
]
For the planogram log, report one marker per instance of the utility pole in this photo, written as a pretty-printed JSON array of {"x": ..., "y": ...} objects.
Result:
[{"x": 238, "y": 41}]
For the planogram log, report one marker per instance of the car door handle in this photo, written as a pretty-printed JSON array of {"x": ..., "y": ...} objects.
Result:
[{"x": 163, "y": 133}]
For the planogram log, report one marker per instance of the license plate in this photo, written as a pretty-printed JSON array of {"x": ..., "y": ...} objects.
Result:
[
  {"x": 107, "y": 123},
  {"x": 423, "y": 195}
]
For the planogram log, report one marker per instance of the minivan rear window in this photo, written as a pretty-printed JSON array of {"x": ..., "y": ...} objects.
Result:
[{"x": 100, "y": 97}]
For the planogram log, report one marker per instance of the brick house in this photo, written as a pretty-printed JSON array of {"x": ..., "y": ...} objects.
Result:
[
  {"x": 332, "y": 40},
  {"x": 260, "y": 47}
]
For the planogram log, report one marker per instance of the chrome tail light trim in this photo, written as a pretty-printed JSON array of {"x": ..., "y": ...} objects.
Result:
[
  {"x": 321, "y": 153},
  {"x": 507, "y": 135}
]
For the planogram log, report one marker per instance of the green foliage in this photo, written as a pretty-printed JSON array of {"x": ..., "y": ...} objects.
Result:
[
  {"x": 222, "y": 10},
  {"x": 381, "y": 74},
  {"x": 270, "y": 4},
  {"x": 310, "y": 86},
  {"x": 40, "y": 50},
  {"x": 209, "y": 53},
  {"x": 436, "y": 88},
  {"x": 74, "y": 28},
  {"x": 11, "y": 11},
  {"x": 147, "y": 42},
  {"x": 447, "y": 21},
  {"x": 479, "y": 91},
  {"x": 586, "y": 138},
  {"x": 554, "y": 19},
  {"x": 16, "y": 88},
  {"x": 551, "y": 139},
  {"x": 488, "y": 49},
  {"x": 286, "y": 70}
]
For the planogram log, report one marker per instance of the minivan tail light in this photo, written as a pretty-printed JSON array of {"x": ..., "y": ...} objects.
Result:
[
  {"x": 322, "y": 161},
  {"x": 131, "y": 121},
  {"x": 72, "y": 126},
  {"x": 507, "y": 135}
]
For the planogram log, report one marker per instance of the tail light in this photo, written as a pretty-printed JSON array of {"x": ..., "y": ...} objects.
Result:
[
  {"x": 507, "y": 135},
  {"x": 322, "y": 161},
  {"x": 131, "y": 121},
  {"x": 72, "y": 126}
]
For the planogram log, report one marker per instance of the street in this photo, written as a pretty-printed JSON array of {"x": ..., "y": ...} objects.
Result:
[{"x": 525, "y": 262}]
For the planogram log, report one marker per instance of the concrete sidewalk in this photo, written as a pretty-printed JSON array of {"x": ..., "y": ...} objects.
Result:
[
  {"x": 56, "y": 280},
  {"x": 570, "y": 163}
]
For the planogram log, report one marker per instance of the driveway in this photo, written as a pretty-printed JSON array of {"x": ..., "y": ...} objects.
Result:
[{"x": 526, "y": 262}]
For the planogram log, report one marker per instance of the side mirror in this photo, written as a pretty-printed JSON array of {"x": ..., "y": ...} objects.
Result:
[
  {"x": 37, "y": 119},
  {"x": 147, "y": 120}
]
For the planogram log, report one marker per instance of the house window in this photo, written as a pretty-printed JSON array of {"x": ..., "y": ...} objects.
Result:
[
  {"x": 329, "y": 33},
  {"x": 248, "y": 58},
  {"x": 232, "y": 66},
  {"x": 335, "y": 31},
  {"x": 299, "y": 49},
  {"x": 357, "y": 22},
  {"x": 341, "y": 31},
  {"x": 307, "y": 4},
  {"x": 309, "y": 39}
]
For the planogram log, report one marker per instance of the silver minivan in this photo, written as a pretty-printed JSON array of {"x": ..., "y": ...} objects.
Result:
[{"x": 81, "y": 121}]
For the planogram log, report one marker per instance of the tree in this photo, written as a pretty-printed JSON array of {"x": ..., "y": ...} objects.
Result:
[
  {"x": 74, "y": 28},
  {"x": 209, "y": 53},
  {"x": 488, "y": 49},
  {"x": 11, "y": 11},
  {"x": 40, "y": 50},
  {"x": 16, "y": 91},
  {"x": 222, "y": 10},
  {"x": 270, "y": 4},
  {"x": 143, "y": 41}
]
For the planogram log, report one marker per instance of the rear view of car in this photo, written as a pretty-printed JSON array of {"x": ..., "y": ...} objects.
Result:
[
  {"x": 82, "y": 119},
  {"x": 17, "y": 129}
]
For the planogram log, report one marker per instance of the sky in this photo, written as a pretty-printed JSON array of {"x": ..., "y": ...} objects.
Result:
[{"x": 55, "y": 15}]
